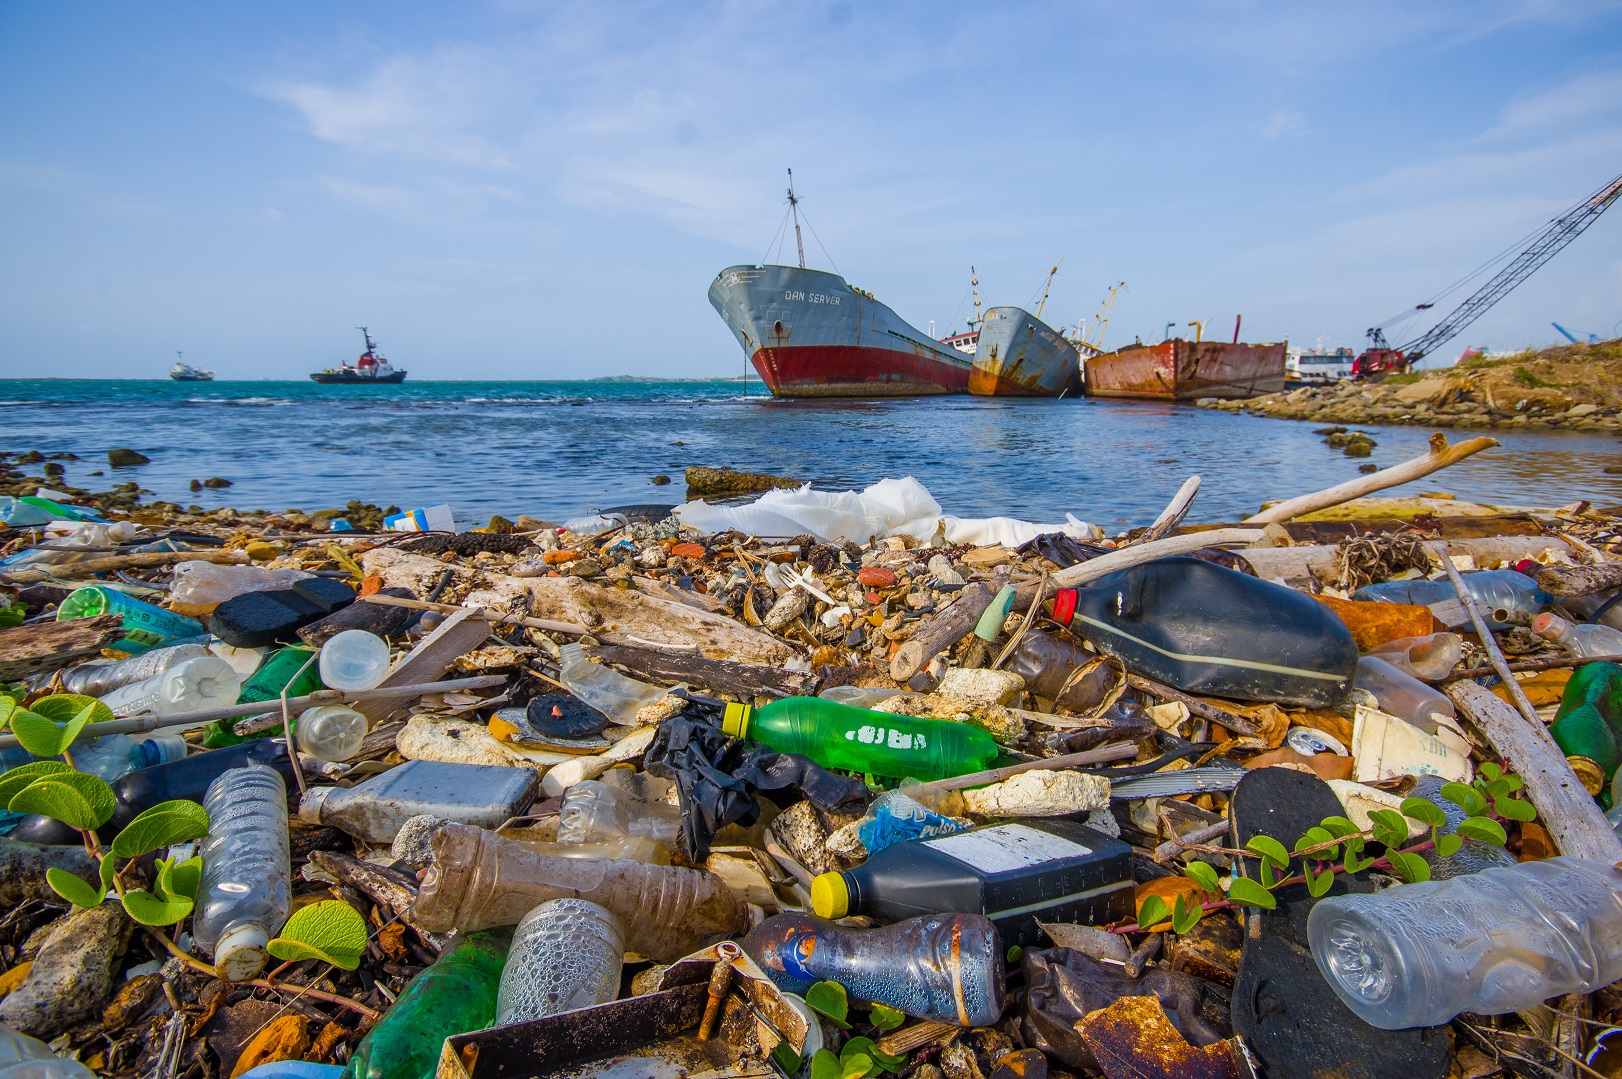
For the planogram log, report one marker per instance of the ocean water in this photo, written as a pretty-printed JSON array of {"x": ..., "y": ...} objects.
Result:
[{"x": 560, "y": 449}]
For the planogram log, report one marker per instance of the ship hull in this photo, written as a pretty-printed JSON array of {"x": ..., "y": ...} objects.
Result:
[
  {"x": 328, "y": 378},
  {"x": 810, "y": 334},
  {"x": 1180, "y": 370},
  {"x": 1018, "y": 355}
]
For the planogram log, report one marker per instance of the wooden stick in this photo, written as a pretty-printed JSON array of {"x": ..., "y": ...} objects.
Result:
[
  {"x": 1101, "y": 755},
  {"x": 1440, "y": 456},
  {"x": 1484, "y": 632},
  {"x": 1554, "y": 664},
  {"x": 943, "y": 630},
  {"x": 1175, "y": 511},
  {"x": 49, "y": 646},
  {"x": 1234, "y": 722},
  {"x": 88, "y": 567},
  {"x": 713, "y": 674},
  {"x": 1139, "y": 553},
  {"x": 1570, "y": 814},
  {"x": 490, "y": 616}
]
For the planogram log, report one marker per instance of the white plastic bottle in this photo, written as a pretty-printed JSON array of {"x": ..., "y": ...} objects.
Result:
[
  {"x": 354, "y": 660},
  {"x": 203, "y": 682},
  {"x": 99, "y": 679},
  {"x": 115, "y": 755},
  {"x": 1589, "y": 639},
  {"x": 1501, "y": 940},
  {"x": 331, "y": 732},
  {"x": 244, "y": 896},
  {"x": 605, "y": 689},
  {"x": 566, "y": 955}
]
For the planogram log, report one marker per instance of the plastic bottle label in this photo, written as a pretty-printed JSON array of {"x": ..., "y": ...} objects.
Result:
[
  {"x": 1007, "y": 847},
  {"x": 870, "y": 735}
]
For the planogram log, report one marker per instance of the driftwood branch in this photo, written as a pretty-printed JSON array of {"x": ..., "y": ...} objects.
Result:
[
  {"x": 49, "y": 646},
  {"x": 1175, "y": 511},
  {"x": 941, "y": 632},
  {"x": 546, "y": 624},
  {"x": 722, "y": 676},
  {"x": 87, "y": 567},
  {"x": 1440, "y": 456},
  {"x": 1580, "y": 580}
]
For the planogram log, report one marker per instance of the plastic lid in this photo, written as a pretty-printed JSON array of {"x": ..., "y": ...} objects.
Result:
[
  {"x": 309, "y": 804},
  {"x": 1545, "y": 624},
  {"x": 830, "y": 895},
  {"x": 1589, "y": 774},
  {"x": 735, "y": 721},
  {"x": 240, "y": 953},
  {"x": 1064, "y": 606}
]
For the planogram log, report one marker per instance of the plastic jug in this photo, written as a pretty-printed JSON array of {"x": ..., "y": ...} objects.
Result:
[
  {"x": 1047, "y": 869},
  {"x": 199, "y": 587},
  {"x": 605, "y": 689},
  {"x": 330, "y": 732},
  {"x": 486, "y": 795},
  {"x": 566, "y": 955},
  {"x": 1495, "y": 589},
  {"x": 1209, "y": 630},
  {"x": 455, "y": 995},
  {"x": 97, "y": 679},
  {"x": 145, "y": 626},
  {"x": 1429, "y": 658},
  {"x": 1498, "y": 941},
  {"x": 203, "y": 682},
  {"x": 1068, "y": 676},
  {"x": 839, "y": 736},
  {"x": 1589, "y": 639},
  {"x": 244, "y": 896},
  {"x": 478, "y": 879},
  {"x": 1588, "y": 724},
  {"x": 944, "y": 967},
  {"x": 115, "y": 755},
  {"x": 354, "y": 660}
]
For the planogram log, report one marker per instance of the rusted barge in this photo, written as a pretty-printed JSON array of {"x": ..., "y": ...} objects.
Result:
[{"x": 1179, "y": 370}]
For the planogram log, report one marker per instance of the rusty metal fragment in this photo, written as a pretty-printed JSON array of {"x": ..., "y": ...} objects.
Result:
[{"x": 1133, "y": 1039}]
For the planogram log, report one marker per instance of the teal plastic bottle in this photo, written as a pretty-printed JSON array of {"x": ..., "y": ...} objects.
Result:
[
  {"x": 858, "y": 740},
  {"x": 455, "y": 995},
  {"x": 145, "y": 626}
]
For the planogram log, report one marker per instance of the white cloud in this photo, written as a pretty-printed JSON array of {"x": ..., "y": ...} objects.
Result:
[{"x": 1286, "y": 124}]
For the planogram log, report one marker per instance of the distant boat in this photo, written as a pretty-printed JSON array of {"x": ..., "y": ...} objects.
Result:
[
  {"x": 370, "y": 368},
  {"x": 185, "y": 372}
]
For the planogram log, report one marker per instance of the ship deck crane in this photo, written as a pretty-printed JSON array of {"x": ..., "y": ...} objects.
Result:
[{"x": 1382, "y": 358}]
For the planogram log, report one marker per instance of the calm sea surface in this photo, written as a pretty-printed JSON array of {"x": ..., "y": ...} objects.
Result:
[{"x": 558, "y": 449}]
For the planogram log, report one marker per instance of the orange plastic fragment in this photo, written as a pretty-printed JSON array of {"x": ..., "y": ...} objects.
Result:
[{"x": 1373, "y": 624}]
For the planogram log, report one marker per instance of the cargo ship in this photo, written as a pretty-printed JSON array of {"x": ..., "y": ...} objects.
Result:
[
  {"x": 1019, "y": 355},
  {"x": 1179, "y": 370},
  {"x": 370, "y": 369},
  {"x": 185, "y": 372}
]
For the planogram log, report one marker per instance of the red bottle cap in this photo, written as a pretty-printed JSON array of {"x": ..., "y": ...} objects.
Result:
[{"x": 1064, "y": 606}]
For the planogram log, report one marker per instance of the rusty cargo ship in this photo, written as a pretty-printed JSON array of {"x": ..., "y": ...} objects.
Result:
[
  {"x": 811, "y": 334},
  {"x": 1179, "y": 370},
  {"x": 1019, "y": 355}
]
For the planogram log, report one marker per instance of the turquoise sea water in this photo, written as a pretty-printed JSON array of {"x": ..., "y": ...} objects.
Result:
[{"x": 559, "y": 449}]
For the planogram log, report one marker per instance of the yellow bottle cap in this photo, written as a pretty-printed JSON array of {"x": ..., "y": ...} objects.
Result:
[
  {"x": 735, "y": 721},
  {"x": 1589, "y": 774},
  {"x": 830, "y": 895}
]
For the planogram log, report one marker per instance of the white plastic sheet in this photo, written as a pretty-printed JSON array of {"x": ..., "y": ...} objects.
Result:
[{"x": 890, "y": 507}]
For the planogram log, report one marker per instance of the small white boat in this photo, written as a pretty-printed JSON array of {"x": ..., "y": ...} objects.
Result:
[{"x": 185, "y": 372}]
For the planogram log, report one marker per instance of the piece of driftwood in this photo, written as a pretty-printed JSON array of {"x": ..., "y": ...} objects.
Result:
[
  {"x": 1570, "y": 814},
  {"x": 941, "y": 631},
  {"x": 49, "y": 646},
  {"x": 87, "y": 567},
  {"x": 724, "y": 676},
  {"x": 494, "y": 616},
  {"x": 1553, "y": 664},
  {"x": 1175, "y": 511},
  {"x": 1272, "y": 563},
  {"x": 458, "y": 635},
  {"x": 1236, "y": 723},
  {"x": 1580, "y": 580},
  {"x": 1441, "y": 455},
  {"x": 377, "y": 617}
]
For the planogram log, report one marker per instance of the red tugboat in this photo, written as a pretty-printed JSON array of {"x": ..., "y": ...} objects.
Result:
[{"x": 370, "y": 368}]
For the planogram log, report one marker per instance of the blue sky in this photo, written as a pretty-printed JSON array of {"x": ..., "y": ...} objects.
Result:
[{"x": 518, "y": 190}]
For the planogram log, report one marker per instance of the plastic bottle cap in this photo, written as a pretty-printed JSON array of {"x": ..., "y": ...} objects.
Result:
[
  {"x": 1064, "y": 606},
  {"x": 830, "y": 895},
  {"x": 1589, "y": 774},
  {"x": 309, "y": 806},
  {"x": 240, "y": 953},
  {"x": 1543, "y": 623},
  {"x": 735, "y": 720}
]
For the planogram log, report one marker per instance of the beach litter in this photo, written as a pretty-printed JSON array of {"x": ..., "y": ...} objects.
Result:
[{"x": 822, "y": 784}]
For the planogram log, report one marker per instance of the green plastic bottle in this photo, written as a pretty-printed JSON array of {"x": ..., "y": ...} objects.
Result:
[
  {"x": 1588, "y": 725},
  {"x": 858, "y": 740},
  {"x": 145, "y": 626},
  {"x": 266, "y": 683},
  {"x": 455, "y": 995}
]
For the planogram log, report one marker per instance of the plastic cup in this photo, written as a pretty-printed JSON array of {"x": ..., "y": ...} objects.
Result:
[{"x": 354, "y": 660}]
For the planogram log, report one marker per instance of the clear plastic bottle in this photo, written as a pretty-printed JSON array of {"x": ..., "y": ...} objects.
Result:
[
  {"x": 605, "y": 689},
  {"x": 1402, "y": 695},
  {"x": 1429, "y": 658},
  {"x": 1493, "y": 589},
  {"x": 199, "y": 587},
  {"x": 1589, "y": 639},
  {"x": 1501, "y": 940},
  {"x": 839, "y": 736},
  {"x": 115, "y": 755},
  {"x": 22, "y": 1057},
  {"x": 354, "y": 660},
  {"x": 1049, "y": 668},
  {"x": 478, "y": 879},
  {"x": 566, "y": 955},
  {"x": 943, "y": 967},
  {"x": 859, "y": 696},
  {"x": 99, "y": 679},
  {"x": 244, "y": 896},
  {"x": 203, "y": 682},
  {"x": 331, "y": 732},
  {"x": 594, "y": 812}
]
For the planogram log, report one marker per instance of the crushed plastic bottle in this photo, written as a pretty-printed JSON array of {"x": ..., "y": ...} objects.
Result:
[
  {"x": 354, "y": 660},
  {"x": 244, "y": 896},
  {"x": 199, "y": 587},
  {"x": 1494, "y": 589},
  {"x": 99, "y": 679},
  {"x": 566, "y": 955},
  {"x": 943, "y": 967},
  {"x": 1498, "y": 941},
  {"x": 1589, "y": 639},
  {"x": 486, "y": 795},
  {"x": 594, "y": 812},
  {"x": 330, "y": 732},
  {"x": 1060, "y": 672},
  {"x": 839, "y": 736},
  {"x": 605, "y": 689},
  {"x": 22, "y": 1057},
  {"x": 116, "y": 755},
  {"x": 1429, "y": 658},
  {"x": 145, "y": 625},
  {"x": 478, "y": 879},
  {"x": 895, "y": 817},
  {"x": 203, "y": 682},
  {"x": 1404, "y": 696}
]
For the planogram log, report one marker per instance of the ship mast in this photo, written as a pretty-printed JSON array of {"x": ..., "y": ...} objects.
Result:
[
  {"x": 974, "y": 283},
  {"x": 1046, "y": 287},
  {"x": 794, "y": 208}
]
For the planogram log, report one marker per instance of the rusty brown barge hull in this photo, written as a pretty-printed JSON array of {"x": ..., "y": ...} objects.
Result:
[{"x": 1179, "y": 370}]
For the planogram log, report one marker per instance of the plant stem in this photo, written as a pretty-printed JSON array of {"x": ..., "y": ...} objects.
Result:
[{"x": 265, "y": 983}]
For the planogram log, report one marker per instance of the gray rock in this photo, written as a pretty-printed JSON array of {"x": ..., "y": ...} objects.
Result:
[
  {"x": 411, "y": 844},
  {"x": 72, "y": 976}
]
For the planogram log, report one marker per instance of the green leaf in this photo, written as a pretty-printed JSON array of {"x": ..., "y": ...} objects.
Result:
[
  {"x": 1410, "y": 867},
  {"x": 8, "y": 707},
  {"x": 1448, "y": 844},
  {"x": 1184, "y": 917},
  {"x": 163, "y": 825},
  {"x": 1514, "y": 809},
  {"x": 1318, "y": 883},
  {"x": 855, "y": 1065},
  {"x": 1515, "y": 783},
  {"x": 1340, "y": 827},
  {"x": 885, "y": 1018},
  {"x": 1270, "y": 849},
  {"x": 1390, "y": 828},
  {"x": 331, "y": 931},
  {"x": 179, "y": 880},
  {"x": 1425, "y": 811},
  {"x": 148, "y": 909},
  {"x": 786, "y": 1058},
  {"x": 12, "y": 614},
  {"x": 1484, "y": 829},
  {"x": 1490, "y": 770},
  {"x": 829, "y": 999},
  {"x": 824, "y": 1065},
  {"x": 74, "y": 889},
  {"x": 109, "y": 870},
  {"x": 78, "y": 800},
  {"x": 1354, "y": 864},
  {"x": 1152, "y": 912},
  {"x": 21, "y": 776},
  {"x": 1466, "y": 798},
  {"x": 37, "y": 734},
  {"x": 50, "y": 726},
  {"x": 66, "y": 707},
  {"x": 1316, "y": 836},
  {"x": 1269, "y": 879},
  {"x": 1013, "y": 953},
  {"x": 1203, "y": 875},
  {"x": 1248, "y": 893}
]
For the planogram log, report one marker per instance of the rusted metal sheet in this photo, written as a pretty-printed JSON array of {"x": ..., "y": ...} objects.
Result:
[
  {"x": 1133, "y": 1039},
  {"x": 1179, "y": 370},
  {"x": 1018, "y": 355}
]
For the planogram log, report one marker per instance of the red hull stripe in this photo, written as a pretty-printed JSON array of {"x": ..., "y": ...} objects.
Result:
[{"x": 855, "y": 371}]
